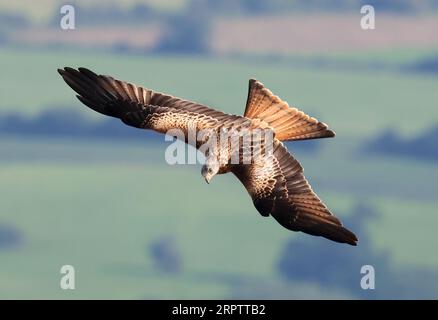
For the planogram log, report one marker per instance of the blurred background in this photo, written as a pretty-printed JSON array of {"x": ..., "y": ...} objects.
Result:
[{"x": 78, "y": 188}]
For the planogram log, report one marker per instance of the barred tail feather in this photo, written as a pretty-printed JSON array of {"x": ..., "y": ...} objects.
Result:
[{"x": 288, "y": 123}]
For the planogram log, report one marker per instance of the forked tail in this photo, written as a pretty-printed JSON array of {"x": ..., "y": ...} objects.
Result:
[{"x": 288, "y": 123}]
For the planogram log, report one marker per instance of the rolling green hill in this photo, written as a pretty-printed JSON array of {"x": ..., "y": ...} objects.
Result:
[{"x": 99, "y": 204}]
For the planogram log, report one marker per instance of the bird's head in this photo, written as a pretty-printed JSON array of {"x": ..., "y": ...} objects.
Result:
[{"x": 210, "y": 168}]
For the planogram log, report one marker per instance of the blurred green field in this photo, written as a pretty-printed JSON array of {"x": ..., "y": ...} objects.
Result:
[
  {"x": 100, "y": 217},
  {"x": 98, "y": 204},
  {"x": 99, "y": 212},
  {"x": 382, "y": 59},
  {"x": 353, "y": 104}
]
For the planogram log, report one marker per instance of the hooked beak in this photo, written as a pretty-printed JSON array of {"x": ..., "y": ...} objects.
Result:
[{"x": 207, "y": 179}]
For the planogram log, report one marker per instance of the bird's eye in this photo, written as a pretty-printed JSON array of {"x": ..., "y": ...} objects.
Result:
[{"x": 210, "y": 170}]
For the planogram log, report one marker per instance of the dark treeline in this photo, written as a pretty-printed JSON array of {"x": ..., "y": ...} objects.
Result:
[
  {"x": 66, "y": 123},
  {"x": 257, "y": 7},
  {"x": 10, "y": 237},
  {"x": 185, "y": 35},
  {"x": 426, "y": 65},
  {"x": 10, "y": 21},
  {"x": 424, "y": 146},
  {"x": 111, "y": 15},
  {"x": 165, "y": 254}
]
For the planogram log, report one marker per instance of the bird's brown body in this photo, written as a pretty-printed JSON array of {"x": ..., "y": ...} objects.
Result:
[{"x": 274, "y": 180}]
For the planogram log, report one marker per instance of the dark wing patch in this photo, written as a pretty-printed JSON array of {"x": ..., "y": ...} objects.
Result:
[{"x": 137, "y": 106}]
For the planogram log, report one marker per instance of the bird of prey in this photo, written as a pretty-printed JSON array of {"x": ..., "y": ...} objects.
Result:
[{"x": 274, "y": 180}]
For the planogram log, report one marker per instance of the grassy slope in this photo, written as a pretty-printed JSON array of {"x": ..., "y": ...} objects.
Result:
[
  {"x": 393, "y": 57},
  {"x": 97, "y": 206},
  {"x": 103, "y": 217},
  {"x": 100, "y": 212}
]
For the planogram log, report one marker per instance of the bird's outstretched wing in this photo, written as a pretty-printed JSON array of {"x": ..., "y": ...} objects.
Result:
[
  {"x": 140, "y": 107},
  {"x": 278, "y": 187}
]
